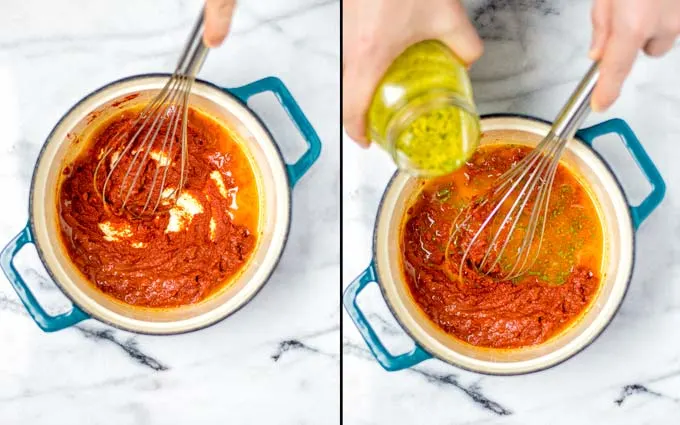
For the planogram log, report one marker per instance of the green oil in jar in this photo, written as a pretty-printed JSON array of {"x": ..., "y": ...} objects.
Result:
[{"x": 423, "y": 111}]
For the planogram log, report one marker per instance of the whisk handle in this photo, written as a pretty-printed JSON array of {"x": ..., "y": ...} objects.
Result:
[
  {"x": 194, "y": 52},
  {"x": 272, "y": 84},
  {"x": 387, "y": 360},
  {"x": 618, "y": 126},
  {"x": 45, "y": 321},
  {"x": 577, "y": 108}
]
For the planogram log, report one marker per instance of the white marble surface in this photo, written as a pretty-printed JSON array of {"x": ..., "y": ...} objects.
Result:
[
  {"x": 277, "y": 360},
  {"x": 535, "y": 53}
]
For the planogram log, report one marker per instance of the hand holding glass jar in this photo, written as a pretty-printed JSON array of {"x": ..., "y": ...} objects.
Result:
[
  {"x": 405, "y": 85},
  {"x": 412, "y": 95}
]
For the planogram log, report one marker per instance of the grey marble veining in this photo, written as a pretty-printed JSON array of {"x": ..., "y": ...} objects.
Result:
[
  {"x": 535, "y": 52},
  {"x": 268, "y": 362}
]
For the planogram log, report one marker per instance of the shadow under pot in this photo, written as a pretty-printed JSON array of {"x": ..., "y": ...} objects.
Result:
[
  {"x": 275, "y": 180},
  {"x": 619, "y": 221}
]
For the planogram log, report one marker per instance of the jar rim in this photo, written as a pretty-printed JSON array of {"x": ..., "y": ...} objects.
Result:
[{"x": 405, "y": 116}]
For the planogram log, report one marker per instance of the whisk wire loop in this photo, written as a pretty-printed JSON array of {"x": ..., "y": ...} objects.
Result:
[
  {"x": 153, "y": 136},
  {"x": 516, "y": 206}
]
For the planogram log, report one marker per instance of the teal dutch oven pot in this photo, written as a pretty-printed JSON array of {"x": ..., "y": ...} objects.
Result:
[
  {"x": 620, "y": 220},
  {"x": 276, "y": 179}
]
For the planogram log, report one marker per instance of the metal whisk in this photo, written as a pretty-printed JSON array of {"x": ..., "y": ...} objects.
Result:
[
  {"x": 507, "y": 242},
  {"x": 137, "y": 160}
]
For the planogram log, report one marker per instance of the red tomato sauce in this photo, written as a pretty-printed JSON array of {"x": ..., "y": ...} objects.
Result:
[
  {"x": 175, "y": 257},
  {"x": 480, "y": 310}
]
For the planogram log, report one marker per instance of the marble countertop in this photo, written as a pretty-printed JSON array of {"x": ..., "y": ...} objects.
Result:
[
  {"x": 535, "y": 54},
  {"x": 277, "y": 360}
]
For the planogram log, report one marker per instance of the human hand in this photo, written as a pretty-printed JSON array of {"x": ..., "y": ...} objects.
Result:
[
  {"x": 218, "y": 15},
  {"x": 375, "y": 32},
  {"x": 620, "y": 29}
]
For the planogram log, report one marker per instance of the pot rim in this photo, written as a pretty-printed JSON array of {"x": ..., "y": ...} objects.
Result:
[
  {"x": 95, "y": 315},
  {"x": 433, "y": 353}
]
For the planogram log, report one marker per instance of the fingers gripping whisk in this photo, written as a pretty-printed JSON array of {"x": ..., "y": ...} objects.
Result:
[
  {"x": 500, "y": 233},
  {"x": 142, "y": 171}
]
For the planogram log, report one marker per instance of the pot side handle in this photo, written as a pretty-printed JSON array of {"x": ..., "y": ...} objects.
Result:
[
  {"x": 644, "y": 162},
  {"x": 386, "y": 359},
  {"x": 285, "y": 98},
  {"x": 47, "y": 322}
]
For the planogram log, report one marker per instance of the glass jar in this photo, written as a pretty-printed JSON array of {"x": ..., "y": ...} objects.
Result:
[{"x": 423, "y": 111}]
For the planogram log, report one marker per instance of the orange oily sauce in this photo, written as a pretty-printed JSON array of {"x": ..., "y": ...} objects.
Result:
[
  {"x": 172, "y": 258},
  {"x": 479, "y": 310}
]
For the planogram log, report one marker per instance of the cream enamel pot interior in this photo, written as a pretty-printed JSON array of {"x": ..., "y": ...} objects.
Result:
[
  {"x": 619, "y": 219},
  {"x": 275, "y": 181}
]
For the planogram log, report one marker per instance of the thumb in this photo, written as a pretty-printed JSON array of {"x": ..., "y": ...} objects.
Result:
[
  {"x": 357, "y": 90},
  {"x": 601, "y": 17},
  {"x": 361, "y": 74},
  {"x": 218, "y": 15},
  {"x": 462, "y": 38}
]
